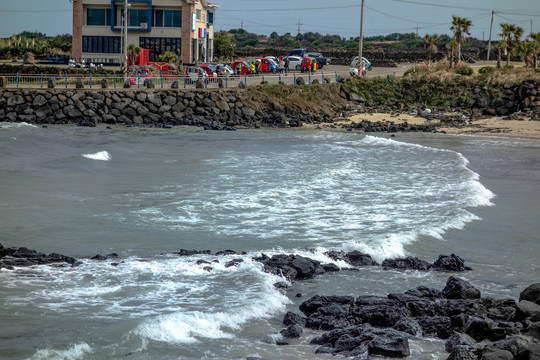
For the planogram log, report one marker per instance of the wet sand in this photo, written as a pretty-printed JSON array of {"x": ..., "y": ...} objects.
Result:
[{"x": 494, "y": 126}]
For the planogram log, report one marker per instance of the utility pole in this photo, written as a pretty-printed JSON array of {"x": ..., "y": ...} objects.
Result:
[
  {"x": 126, "y": 7},
  {"x": 531, "y": 27},
  {"x": 361, "y": 39},
  {"x": 299, "y": 23},
  {"x": 489, "y": 41},
  {"x": 242, "y": 25},
  {"x": 416, "y": 30}
]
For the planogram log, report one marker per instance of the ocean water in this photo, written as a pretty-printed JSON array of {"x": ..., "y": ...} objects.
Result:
[{"x": 147, "y": 193}]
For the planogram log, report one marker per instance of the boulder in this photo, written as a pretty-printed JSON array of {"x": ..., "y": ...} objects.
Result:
[
  {"x": 175, "y": 85},
  {"x": 104, "y": 84},
  {"x": 457, "y": 288},
  {"x": 149, "y": 84},
  {"x": 408, "y": 263},
  {"x": 457, "y": 339},
  {"x": 28, "y": 58},
  {"x": 516, "y": 343},
  {"x": 356, "y": 258},
  {"x": 531, "y": 293},
  {"x": 449, "y": 263},
  {"x": 127, "y": 84},
  {"x": 300, "y": 81},
  {"x": 51, "y": 83},
  {"x": 464, "y": 352},
  {"x": 495, "y": 354},
  {"x": 291, "y": 318},
  {"x": 527, "y": 310},
  {"x": 292, "y": 331},
  {"x": 3, "y": 82},
  {"x": 479, "y": 328},
  {"x": 79, "y": 84},
  {"x": 532, "y": 353},
  {"x": 393, "y": 347}
]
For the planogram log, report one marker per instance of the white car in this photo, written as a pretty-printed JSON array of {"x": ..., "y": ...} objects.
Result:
[
  {"x": 295, "y": 63},
  {"x": 353, "y": 67}
]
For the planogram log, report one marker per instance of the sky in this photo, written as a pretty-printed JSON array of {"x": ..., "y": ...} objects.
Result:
[{"x": 335, "y": 17}]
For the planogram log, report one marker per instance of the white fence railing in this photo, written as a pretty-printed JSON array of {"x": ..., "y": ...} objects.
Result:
[{"x": 164, "y": 81}]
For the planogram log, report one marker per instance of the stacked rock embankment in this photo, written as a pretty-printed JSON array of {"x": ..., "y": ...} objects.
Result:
[{"x": 211, "y": 109}]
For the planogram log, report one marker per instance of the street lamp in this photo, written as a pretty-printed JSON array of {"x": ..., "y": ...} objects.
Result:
[
  {"x": 126, "y": 7},
  {"x": 361, "y": 40}
]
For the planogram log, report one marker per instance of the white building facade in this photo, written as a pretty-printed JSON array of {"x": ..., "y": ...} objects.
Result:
[{"x": 185, "y": 27}]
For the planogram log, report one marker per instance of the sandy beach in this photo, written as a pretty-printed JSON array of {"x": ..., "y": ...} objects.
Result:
[{"x": 494, "y": 126}]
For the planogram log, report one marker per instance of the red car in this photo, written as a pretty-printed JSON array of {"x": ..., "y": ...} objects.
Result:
[
  {"x": 208, "y": 70},
  {"x": 268, "y": 65},
  {"x": 241, "y": 68}
]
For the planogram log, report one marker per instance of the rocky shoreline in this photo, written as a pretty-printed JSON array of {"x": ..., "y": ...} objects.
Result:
[{"x": 473, "y": 327}]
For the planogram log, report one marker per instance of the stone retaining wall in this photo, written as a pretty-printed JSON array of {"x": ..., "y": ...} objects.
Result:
[
  {"x": 211, "y": 109},
  {"x": 226, "y": 109}
]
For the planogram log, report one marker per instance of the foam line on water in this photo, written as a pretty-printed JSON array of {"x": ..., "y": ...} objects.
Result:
[
  {"x": 76, "y": 352},
  {"x": 101, "y": 156},
  {"x": 12, "y": 125}
]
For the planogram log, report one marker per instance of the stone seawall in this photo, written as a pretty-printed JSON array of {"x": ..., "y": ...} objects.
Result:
[{"x": 211, "y": 109}]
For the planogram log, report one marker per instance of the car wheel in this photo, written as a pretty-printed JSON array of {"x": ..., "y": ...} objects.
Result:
[
  {"x": 370, "y": 68},
  {"x": 298, "y": 67}
]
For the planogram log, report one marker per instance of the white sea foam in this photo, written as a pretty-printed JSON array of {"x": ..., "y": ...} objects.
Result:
[
  {"x": 102, "y": 156},
  {"x": 76, "y": 352},
  {"x": 192, "y": 326},
  {"x": 12, "y": 125}
]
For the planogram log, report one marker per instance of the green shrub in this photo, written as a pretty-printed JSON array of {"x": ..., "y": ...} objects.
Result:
[
  {"x": 466, "y": 71},
  {"x": 486, "y": 70}
]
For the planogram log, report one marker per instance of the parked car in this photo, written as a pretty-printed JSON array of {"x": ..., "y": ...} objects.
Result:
[
  {"x": 221, "y": 69},
  {"x": 321, "y": 60},
  {"x": 353, "y": 67},
  {"x": 194, "y": 73},
  {"x": 298, "y": 52},
  {"x": 209, "y": 71},
  {"x": 268, "y": 65},
  {"x": 309, "y": 64},
  {"x": 241, "y": 68},
  {"x": 295, "y": 63},
  {"x": 137, "y": 77}
]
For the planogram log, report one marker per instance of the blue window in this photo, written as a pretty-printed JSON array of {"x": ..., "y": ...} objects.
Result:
[
  {"x": 158, "y": 46},
  {"x": 98, "y": 17},
  {"x": 167, "y": 18},
  {"x": 101, "y": 44},
  {"x": 210, "y": 18},
  {"x": 137, "y": 17}
]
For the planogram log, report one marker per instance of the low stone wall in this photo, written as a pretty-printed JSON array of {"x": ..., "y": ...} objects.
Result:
[
  {"x": 211, "y": 109},
  {"x": 227, "y": 109}
]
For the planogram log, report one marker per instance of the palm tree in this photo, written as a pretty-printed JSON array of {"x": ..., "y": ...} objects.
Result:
[
  {"x": 460, "y": 27},
  {"x": 500, "y": 47},
  {"x": 452, "y": 47},
  {"x": 511, "y": 36},
  {"x": 430, "y": 44},
  {"x": 133, "y": 52},
  {"x": 528, "y": 51}
]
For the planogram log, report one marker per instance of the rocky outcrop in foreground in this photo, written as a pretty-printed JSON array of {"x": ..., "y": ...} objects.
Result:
[{"x": 474, "y": 327}]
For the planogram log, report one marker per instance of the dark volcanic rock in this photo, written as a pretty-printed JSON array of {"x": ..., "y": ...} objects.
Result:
[
  {"x": 408, "y": 263},
  {"x": 531, "y": 293},
  {"x": 449, "y": 263},
  {"x": 21, "y": 256},
  {"x": 356, "y": 258},
  {"x": 394, "y": 347},
  {"x": 459, "y": 289}
]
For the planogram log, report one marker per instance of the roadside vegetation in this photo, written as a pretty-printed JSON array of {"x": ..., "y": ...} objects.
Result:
[{"x": 36, "y": 43}]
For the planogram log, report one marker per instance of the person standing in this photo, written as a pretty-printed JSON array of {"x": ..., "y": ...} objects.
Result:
[{"x": 286, "y": 65}]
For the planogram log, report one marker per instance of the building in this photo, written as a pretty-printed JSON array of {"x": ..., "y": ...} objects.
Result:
[{"x": 185, "y": 27}]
